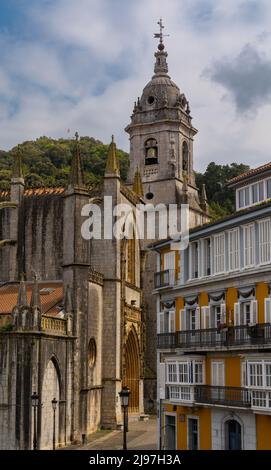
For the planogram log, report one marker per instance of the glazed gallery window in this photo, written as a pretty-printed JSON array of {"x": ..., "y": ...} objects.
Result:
[
  {"x": 151, "y": 152},
  {"x": 244, "y": 197},
  {"x": 185, "y": 372},
  {"x": 172, "y": 373},
  {"x": 253, "y": 194},
  {"x": 259, "y": 374}
]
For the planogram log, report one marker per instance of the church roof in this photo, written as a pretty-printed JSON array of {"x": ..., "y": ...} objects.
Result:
[
  {"x": 51, "y": 296},
  {"x": 5, "y": 194},
  {"x": 250, "y": 173}
]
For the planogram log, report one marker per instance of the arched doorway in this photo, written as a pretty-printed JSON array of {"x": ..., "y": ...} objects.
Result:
[
  {"x": 233, "y": 435},
  {"x": 132, "y": 370},
  {"x": 50, "y": 390}
]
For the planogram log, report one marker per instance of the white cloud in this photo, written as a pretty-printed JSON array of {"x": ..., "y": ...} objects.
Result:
[{"x": 91, "y": 59}]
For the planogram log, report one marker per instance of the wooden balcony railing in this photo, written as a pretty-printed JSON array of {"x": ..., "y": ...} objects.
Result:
[
  {"x": 259, "y": 334},
  {"x": 164, "y": 278}
]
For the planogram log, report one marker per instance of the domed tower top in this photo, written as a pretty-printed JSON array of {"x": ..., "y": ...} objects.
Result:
[
  {"x": 161, "y": 95},
  {"x": 162, "y": 135}
]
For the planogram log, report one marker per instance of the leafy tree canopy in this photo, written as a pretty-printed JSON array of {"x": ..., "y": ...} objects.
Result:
[
  {"x": 46, "y": 161},
  {"x": 220, "y": 198}
]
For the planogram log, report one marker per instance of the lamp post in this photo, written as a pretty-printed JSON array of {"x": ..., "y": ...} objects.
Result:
[
  {"x": 124, "y": 398},
  {"x": 54, "y": 404},
  {"x": 35, "y": 403}
]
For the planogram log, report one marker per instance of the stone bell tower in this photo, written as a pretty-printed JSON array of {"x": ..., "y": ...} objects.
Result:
[
  {"x": 161, "y": 141},
  {"x": 161, "y": 151}
]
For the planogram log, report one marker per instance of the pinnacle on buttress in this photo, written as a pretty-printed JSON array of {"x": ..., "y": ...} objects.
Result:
[
  {"x": 76, "y": 174},
  {"x": 112, "y": 163},
  {"x": 68, "y": 303},
  {"x": 203, "y": 198},
  {"x": 35, "y": 297},
  {"x": 17, "y": 169},
  {"x": 22, "y": 295},
  {"x": 137, "y": 186}
]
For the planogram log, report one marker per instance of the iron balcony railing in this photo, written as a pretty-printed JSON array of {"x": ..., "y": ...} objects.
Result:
[
  {"x": 164, "y": 278},
  {"x": 226, "y": 396},
  {"x": 258, "y": 334}
]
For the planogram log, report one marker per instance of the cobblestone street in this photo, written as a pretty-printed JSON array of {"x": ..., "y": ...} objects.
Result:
[{"x": 142, "y": 435}]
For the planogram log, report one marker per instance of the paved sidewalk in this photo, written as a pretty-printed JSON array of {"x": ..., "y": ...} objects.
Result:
[{"x": 142, "y": 435}]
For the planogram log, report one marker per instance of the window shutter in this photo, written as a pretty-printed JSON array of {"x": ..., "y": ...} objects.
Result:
[
  {"x": 243, "y": 374},
  {"x": 198, "y": 318},
  {"x": 202, "y": 318},
  {"x": 254, "y": 311},
  {"x": 218, "y": 375},
  {"x": 223, "y": 314},
  {"x": 183, "y": 320},
  {"x": 205, "y": 316},
  {"x": 237, "y": 319},
  {"x": 267, "y": 310},
  {"x": 162, "y": 381},
  {"x": 161, "y": 323},
  {"x": 171, "y": 321}
]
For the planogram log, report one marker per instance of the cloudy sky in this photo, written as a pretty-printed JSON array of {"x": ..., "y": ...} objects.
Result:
[{"x": 79, "y": 65}]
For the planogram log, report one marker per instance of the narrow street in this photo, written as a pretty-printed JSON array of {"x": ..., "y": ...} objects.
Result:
[{"x": 142, "y": 435}]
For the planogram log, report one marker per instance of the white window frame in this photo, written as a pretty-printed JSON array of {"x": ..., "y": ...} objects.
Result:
[{"x": 193, "y": 259}]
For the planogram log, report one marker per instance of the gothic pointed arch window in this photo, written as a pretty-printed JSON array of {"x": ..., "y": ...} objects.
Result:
[
  {"x": 151, "y": 152},
  {"x": 131, "y": 261},
  {"x": 185, "y": 154}
]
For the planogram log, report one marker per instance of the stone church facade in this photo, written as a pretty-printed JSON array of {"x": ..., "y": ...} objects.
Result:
[{"x": 77, "y": 317}]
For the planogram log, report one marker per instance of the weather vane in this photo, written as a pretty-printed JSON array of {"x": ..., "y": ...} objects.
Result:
[{"x": 160, "y": 35}]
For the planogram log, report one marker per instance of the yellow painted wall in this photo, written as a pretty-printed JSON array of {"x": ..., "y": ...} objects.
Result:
[
  {"x": 203, "y": 299},
  {"x": 232, "y": 369},
  {"x": 204, "y": 415},
  {"x": 231, "y": 299},
  {"x": 179, "y": 306},
  {"x": 261, "y": 294},
  {"x": 263, "y": 429}
]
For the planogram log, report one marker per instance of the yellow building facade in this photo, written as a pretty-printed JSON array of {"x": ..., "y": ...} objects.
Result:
[{"x": 214, "y": 329}]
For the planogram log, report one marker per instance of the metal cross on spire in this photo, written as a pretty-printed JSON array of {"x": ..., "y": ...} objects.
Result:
[{"x": 160, "y": 35}]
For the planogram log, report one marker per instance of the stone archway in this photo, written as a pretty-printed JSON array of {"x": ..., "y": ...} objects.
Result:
[
  {"x": 132, "y": 370},
  {"x": 50, "y": 390}
]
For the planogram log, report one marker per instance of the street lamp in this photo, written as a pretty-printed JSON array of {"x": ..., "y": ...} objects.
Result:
[
  {"x": 35, "y": 404},
  {"x": 124, "y": 398},
  {"x": 54, "y": 404}
]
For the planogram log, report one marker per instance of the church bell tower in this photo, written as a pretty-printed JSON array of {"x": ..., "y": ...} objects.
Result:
[{"x": 161, "y": 141}]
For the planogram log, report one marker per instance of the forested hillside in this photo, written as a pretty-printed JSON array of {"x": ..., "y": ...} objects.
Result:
[{"x": 46, "y": 162}]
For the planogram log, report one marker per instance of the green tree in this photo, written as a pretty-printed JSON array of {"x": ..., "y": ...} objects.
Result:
[{"x": 220, "y": 197}]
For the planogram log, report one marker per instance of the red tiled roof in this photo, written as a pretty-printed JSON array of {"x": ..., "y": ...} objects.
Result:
[
  {"x": 49, "y": 301},
  {"x": 248, "y": 174},
  {"x": 35, "y": 192}
]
